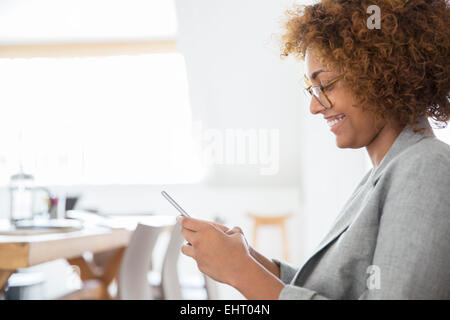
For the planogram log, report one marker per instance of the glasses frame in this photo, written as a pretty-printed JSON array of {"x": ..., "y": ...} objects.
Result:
[{"x": 310, "y": 86}]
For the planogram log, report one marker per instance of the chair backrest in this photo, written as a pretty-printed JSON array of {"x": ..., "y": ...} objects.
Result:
[
  {"x": 132, "y": 280},
  {"x": 170, "y": 281},
  {"x": 212, "y": 291}
]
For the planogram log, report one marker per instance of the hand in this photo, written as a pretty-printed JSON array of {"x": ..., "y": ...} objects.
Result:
[
  {"x": 220, "y": 253},
  {"x": 267, "y": 263},
  {"x": 229, "y": 231},
  {"x": 239, "y": 231}
]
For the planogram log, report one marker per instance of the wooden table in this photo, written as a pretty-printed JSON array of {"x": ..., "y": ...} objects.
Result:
[{"x": 29, "y": 250}]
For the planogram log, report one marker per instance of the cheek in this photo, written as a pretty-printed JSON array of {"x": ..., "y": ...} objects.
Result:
[
  {"x": 355, "y": 133},
  {"x": 359, "y": 127},
  {"x": 348, "y": 136},
  {"x": 360, "y": 131}
]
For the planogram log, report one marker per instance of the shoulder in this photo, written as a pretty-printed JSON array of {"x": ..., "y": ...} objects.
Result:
[
  {"x": 425, "y": 162},
  {"x": 418, "y": 176},
  {"x": 414, "y": 189},
  {"x": 428, "y": 148}
]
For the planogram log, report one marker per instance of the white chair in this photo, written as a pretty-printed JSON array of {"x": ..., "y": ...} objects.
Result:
[
  {"x": 25, "y": 285},
  {"x": 212, "y": 291},
  {"x": 170, "y": 287},
  {"x": 132, "y": 283},
  {"x": 167, "y": 284}
]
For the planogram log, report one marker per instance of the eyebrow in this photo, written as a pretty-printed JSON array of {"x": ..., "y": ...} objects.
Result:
[{"x": 316, "y": 73}]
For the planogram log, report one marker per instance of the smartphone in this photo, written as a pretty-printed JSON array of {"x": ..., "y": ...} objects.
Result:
[{"x": 180, "y": 209}]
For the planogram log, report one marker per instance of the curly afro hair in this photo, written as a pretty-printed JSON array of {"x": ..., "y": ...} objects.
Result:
[{"x": 399, "y": 72}]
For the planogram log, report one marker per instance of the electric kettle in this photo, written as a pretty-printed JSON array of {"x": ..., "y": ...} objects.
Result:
[{"x": 27, "y": 200}]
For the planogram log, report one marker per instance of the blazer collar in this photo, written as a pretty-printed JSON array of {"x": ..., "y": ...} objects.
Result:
[{"x": 406, "y": 138}]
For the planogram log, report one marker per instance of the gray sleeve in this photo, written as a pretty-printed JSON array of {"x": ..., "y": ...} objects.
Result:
[
  {"x": 292, "y": 292},
  {"x": 411, "y": 258},
  {"x": 287, "y": 272}
]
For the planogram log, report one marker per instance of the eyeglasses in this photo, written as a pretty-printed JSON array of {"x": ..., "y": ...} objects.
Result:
[{"x": 318, "y": 91}]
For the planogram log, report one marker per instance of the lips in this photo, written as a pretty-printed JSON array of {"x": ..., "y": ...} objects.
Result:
[
  {"x": 334, "y": 116},
  {"x": 331, "y": 121}
]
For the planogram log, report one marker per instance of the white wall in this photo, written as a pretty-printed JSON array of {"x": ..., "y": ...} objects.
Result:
[
  {"x": 329, "y": 176},
  {"x": 237, "y": 79}
]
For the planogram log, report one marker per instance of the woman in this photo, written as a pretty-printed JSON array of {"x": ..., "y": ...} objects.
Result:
[{"x": 376, "y": 88}]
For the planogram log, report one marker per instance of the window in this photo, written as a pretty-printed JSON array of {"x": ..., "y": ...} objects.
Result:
[
  {"x": 97, "y": 120},
  {"x": 75, "y": 112}
]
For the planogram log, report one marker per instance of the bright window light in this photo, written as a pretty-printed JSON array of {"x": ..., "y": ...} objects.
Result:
[
  {"x": 443, "y": 134},
  {"x": 105, "y": 120}
]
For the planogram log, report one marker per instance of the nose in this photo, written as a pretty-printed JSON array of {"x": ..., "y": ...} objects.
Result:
[{"x": 315, "y": 107}]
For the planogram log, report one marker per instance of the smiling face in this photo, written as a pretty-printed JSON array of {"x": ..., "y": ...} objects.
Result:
[{"x": 353, "y": 127}]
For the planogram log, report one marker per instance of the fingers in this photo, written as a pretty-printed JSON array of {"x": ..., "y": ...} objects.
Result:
[
  {"x": 192, "y": 223},
  {"x": 189, "y": 235},
  {"x": 220, "y": 227},
  {"x": 188, "y": 250},
  {"x": 234, "y": 230},
  {"x": 196, "y": 224}
]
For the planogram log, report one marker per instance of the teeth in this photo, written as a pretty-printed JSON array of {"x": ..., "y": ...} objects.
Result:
[{"x": 334, "y": 121}]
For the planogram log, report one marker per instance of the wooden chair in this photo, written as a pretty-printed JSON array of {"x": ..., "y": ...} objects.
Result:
[
  {"x": 96, "y": 277},
  {"x": 279, "y": 221}
]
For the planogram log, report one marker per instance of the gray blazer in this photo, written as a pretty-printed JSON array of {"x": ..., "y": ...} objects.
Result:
[{"x": 391, "y": 239}]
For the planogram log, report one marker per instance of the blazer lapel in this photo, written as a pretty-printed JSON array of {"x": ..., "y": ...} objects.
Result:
[
  {"x": 341, "y": 224},
  {"x": 405, "y": 139},
  {"x": 343, "y": 221}
]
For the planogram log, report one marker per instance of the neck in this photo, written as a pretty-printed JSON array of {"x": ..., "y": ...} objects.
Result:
[{"x": 382, "y": 142}]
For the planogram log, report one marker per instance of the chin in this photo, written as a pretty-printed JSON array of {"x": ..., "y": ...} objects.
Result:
[{"x": 343, "y": 143}]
